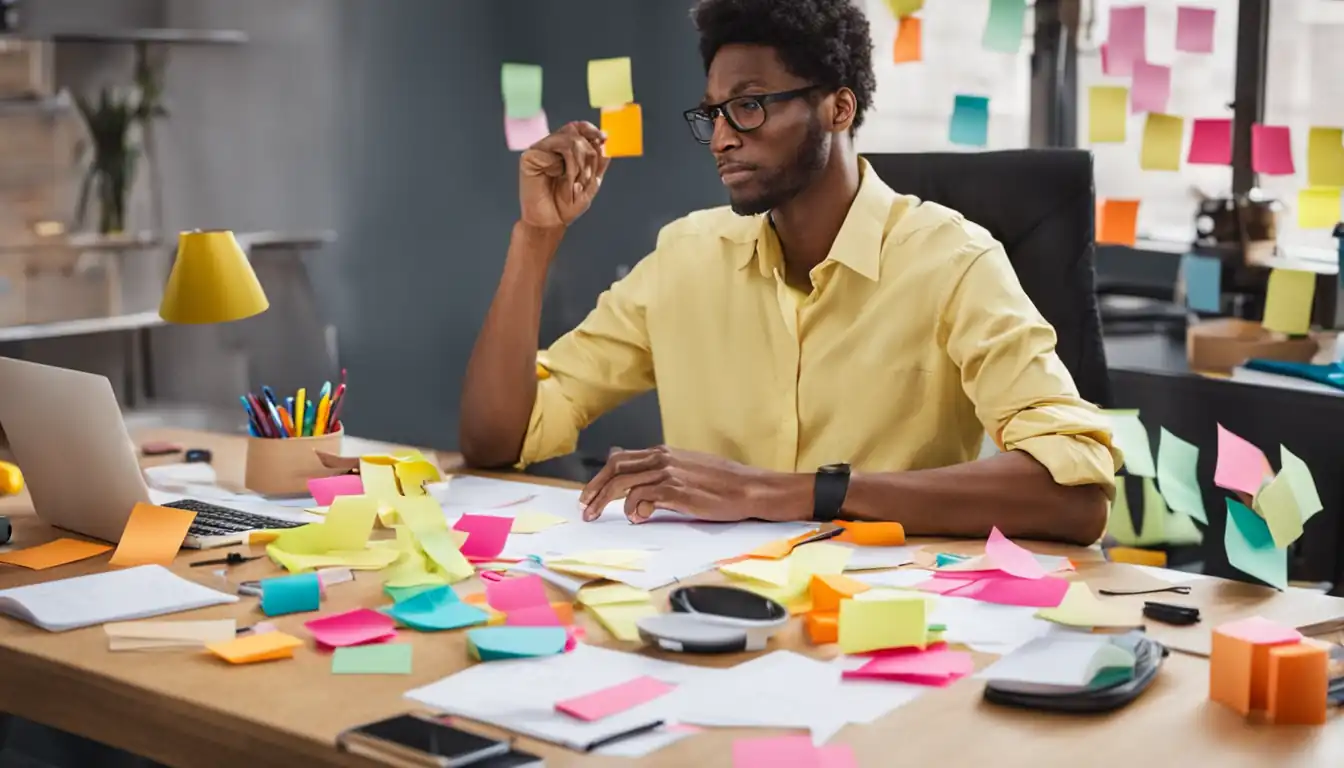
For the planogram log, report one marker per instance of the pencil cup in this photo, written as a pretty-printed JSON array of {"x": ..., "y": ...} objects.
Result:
[{"x": 281, "y": 467}]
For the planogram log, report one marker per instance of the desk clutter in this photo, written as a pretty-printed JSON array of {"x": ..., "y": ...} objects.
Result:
[{"x": 891, "y": 622}]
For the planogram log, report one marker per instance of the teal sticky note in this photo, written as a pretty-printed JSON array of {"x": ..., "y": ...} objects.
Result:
[
  {"x": 291, "y": 594},
  {"x": 944, "y": 559},
  {"x": 398, "y": 594},
  {"x": 1301, "y": 481},
  {"x": 1203, "y": 276},
  {"x": 1004, "y": 30},
  {"x": 436, "y": 609},
  {"x": 499, "y": 643},
  {"x": 1250, "y": 546},
  {"x": 375, "y": 659},
  {"x": 970, "y": 121},
  {"x": 521, "y": 85},
  {"x": 1131, "y": 437},
  {"x": 1176, "y": 461}
]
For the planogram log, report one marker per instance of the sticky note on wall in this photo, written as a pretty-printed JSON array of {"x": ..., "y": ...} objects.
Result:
[
  {"x": 1162, "y": 136},
  {"x": 1203, "y": 277},
  {"x": 1210, "y": 142},
  {"x": 1325, "y": 157},
  {"x": 1118, "y": 222},
  {"x": 610, "y": 82},
  {"x": 1003, "y": 31},
  {"x": 1152, "y": 88},
  {"x": 970, "y": 121},
  {"x": 1288, "y": 301},
  {"x": 909, "y": 45},
  {"x": 1126, "y": 42},
  {"x": 521, "y": 86},
  {"x": 1194, "y": 29},
  {"x": 1318, "y": 207},
  {"x": 1106, "y": 113},
  {"x": 903, "y": 8},
  {"x": 624, "y": 127},
  {"x": 1272, "y": 150},
  {"x": 521, "y": 133}
]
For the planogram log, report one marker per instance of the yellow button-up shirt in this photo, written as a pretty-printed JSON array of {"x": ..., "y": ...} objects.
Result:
[{"x": 916, "y": 340}]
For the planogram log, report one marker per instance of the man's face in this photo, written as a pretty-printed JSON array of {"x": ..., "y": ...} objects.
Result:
[{"x": 768, "y": 166}]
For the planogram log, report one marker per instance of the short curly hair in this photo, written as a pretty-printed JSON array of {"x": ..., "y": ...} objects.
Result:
[{"x": 826, "y": 42}]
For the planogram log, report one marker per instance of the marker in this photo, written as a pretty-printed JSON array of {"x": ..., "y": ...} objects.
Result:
[
  {"x": 323, "y": 411},
  {"x": 336, "y": 412},
  {"x": 286, "y": 419},
  {"x": 251, "y": 417},
  {"x": 335, "y": 407},
  {"x": 263, "y": 423},
  {"x": 301, "y": 411},
  {"x": 275, "y": 417}
]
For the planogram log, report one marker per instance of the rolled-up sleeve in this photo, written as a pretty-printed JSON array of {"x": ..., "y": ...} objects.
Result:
[
  {"x": 1023, "y": 395},
  {"x": 595, "y": 367}
]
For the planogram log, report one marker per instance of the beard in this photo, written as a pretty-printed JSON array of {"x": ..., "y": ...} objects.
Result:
[{"x": 783, "y": 184}]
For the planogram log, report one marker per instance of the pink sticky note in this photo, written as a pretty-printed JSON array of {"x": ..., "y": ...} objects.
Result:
[
  {"x": 325, "y": 489},
  {"x": 836, "y": 756},
  {"x": 1241, "y": 466},
  {"x": 1012, "y": 559},
  {"x": 1036, "y": 593},
  {"x": 1272, "y": 150},
  {"x": 614, "y": 700},
  {"x": 355, "y": 627},
  {"x": 389, "y": 637},
  {"x": 574, "y": 634},
  {"x": 533, "y": 616},
  {"x": 1260, "y": 631},
  {"x": 1194, "y": 29},
  {"x": 932, "y": 667},
  {"x": 487, "y": 534},
  {"x": 1105, "y": 60},
  {"x": 940, "y": 585},
  {"x": 521, "y": 133},
  {"x": 1210, "y": 142},
  {"x": 1126, "y": 43},
  {"x": 776, "y": 752},
  {"x": 1151, "y": 89},
  {"x": 519, "y": 592}
]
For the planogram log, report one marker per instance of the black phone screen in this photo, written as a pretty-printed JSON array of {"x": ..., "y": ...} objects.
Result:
[{"x": 431, "y": 738}]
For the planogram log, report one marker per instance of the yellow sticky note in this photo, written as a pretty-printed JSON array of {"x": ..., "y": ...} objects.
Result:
[
  {"x": 1108, "y": 109},
  {"x": 152, "y": 536},
  {"x": 900, "y": 8},
  {"x": 442, "y": 550},
  {"x": 414, "y": 473},
  {"x": 817, "y": 558},
  {"x": 412, "y": 571},
  {"x": 1081, "y": 608},
  {"x": 1318, "y": 207},
  {"x": 1162, "y": 135},
  {"x": 1325, "y": 157},
  {"x": 533, "y": 521},
  {"x": 610, "y": 83},
  {"x": 622, "y": 559},
  {"x": 624, "y": 127},
  {"x": 1288, "y": 301},
  {"x": 420, "y": 514},
  {"x": 619, "y": 618},
  {"x": 380, "y": 480},
  {"x": 769, "y": 571},
  {"x": 53, "y": 553},
  {"x": 612, "y": 594},
  {"x": 374, "y": 559},
  {"x": 349, "y": 522},
  {"x": 872, "y": 625},
  {"x": 1278, "y": 506},
  {"x": 267, "y": 646}
]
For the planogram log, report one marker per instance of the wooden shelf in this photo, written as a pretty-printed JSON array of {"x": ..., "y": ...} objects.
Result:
[
  {"x": 159, "y": 36},
  {"x": 84, "y": 327}
]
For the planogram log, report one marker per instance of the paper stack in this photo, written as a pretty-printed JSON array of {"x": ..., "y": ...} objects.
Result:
[
  {"x": 168, "y": 635},
  {"x": 124, "y": 595}
]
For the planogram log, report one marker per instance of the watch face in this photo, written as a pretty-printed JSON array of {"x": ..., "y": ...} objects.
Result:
[{"x": 834, "y": 469}]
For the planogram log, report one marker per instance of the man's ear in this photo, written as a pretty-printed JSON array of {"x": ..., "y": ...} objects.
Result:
[{"x": 846, "y": 107}]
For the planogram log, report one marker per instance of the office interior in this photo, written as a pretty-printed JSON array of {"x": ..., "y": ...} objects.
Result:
[{"x": 355, "y": 149}]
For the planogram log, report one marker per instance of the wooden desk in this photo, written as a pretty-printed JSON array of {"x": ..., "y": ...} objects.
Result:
[{"x": 188, "y": 709}]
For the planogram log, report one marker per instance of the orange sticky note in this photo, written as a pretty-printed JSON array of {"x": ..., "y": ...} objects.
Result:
[
  {"x": 909, "y": 44},
  {"x": 1298, "y": 682},
  {"x": 1119, "y": 222},
  {"x": 822, "y": 627},
  {"x": 267, "y": 646},
  {"x": 777, "y": 549},
  {"x": 872, "y": 534},
  {"x": 624, "y": 127},
  {"x": 828, "y": 590},
  {"x": 152, "y": 536},
  {"x": 1239, "y": 662},
  {"x": 53, "y": 553}
]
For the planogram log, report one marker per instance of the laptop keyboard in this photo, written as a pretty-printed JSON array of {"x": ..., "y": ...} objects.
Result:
[{"x": 212, "y": 520}]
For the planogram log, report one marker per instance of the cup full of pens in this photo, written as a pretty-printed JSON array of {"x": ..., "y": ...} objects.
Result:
[{"x": 285, "y": 434}]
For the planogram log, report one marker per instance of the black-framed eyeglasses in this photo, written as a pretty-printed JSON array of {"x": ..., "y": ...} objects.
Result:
[{"x": 743, "y": 113}]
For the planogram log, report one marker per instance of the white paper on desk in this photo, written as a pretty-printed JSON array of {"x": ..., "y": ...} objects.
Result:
[
  {"x": 1063, "y": 659},
  {"x": 986, "y": 627},
  {"x": 520, "y": 695},
  {"x": 902, "y": 579},
  {"x": 1169, "y": 575},
  {"x": 121, "y": 595},
  {"x": 788, "y": 690},
  {"x": 171, "y": 477},
  {"x": 869, "y": 558}
]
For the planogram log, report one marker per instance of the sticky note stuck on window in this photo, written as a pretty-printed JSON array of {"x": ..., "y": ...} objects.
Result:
[
  {"x": 1152, "y": 88},
  {"x": 1325, "y": 157},
  {"x": 902, "y": 8},
  {"x": 1210, "y": 142},
  {"x": 152, "y": 536},
  {"x": 1119, "y": 222},
  {"x": 1131, "y": 437},
  {"x": 1126, "y": 42},
  {"x": 1318, "y": 207},
  {"x": 1162, "y": 136},
  {"x": 521, "y": 85},
  {"x": 1003, "y": 31},
  {"x": 1203, "y": 277},
  {"x": 1107, "y": 113},
  {"x": 909, "y": 45},
  {"x": 1194, "y": 29},
  {"x": 970, "y": 121},
  {"x": 1272, "y": 150},
  {"x": 1288, "y": 301},
  {"x": 610, "y": 83},
  {"x": 625, "y": 131}
]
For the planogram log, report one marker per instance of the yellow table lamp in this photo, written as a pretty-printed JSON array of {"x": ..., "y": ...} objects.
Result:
[{"x": 211, "y": 282}]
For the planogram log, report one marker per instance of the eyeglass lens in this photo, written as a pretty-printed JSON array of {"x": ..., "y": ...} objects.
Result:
[{"x": 744, "y": 114}]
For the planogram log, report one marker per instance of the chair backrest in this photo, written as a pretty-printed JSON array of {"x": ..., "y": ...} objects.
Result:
[{"x": 1039, "y": 204}]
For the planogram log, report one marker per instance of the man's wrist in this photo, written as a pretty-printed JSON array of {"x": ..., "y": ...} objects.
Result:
[
  {"x": 534, "y": 236},
  {"x": 786, "y": 497}
]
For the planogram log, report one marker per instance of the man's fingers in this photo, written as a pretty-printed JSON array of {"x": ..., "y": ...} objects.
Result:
[
  {"x": 618, "y": 487},
  {"x": 588, "y": 131},
  {"x": 614, "y": 458},
  {"x": 642, "y": 502}
]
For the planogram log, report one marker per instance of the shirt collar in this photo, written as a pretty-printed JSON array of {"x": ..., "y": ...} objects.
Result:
[{"x": 858, "y": 244}]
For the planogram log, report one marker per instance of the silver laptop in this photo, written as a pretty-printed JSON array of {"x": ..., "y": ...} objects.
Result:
[{"x": 66, "y": 433}]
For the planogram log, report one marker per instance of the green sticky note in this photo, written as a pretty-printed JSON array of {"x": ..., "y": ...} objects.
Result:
[
  {"x": 1250, "y": 546},
  {"x": 1004, "y": 31},
  {"x": 436, "y": 609},
  {"x": 1304, "y": 486},
  {"x": 1131, "y": 437},
  {"x": 970, "y": 121},
  {"x": 1277, "y": 504},
  {"x": 521, "y": 84},
  {"x": 375, "y": 659},
  {"x": 1176, "y": 462},
  {"x": 401, "y": 593},
  {"x": 501, "y": 643},
  {"x": 1167, "y": 527},
  {"x": 1120, "y": 525},
  {"x": 610, "y": 83}
]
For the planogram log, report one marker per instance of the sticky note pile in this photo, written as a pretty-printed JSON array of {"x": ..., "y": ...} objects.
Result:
[
  {"x": 611, "y": 89},
  {"x": 524, "y": 603},
  {"x": 502, "y": 643},
  {"x": 828, "y": 591},
  {"x": 1168, "y": 514},
  {"x": 599, "y": 563},
  {"x": 524, "y": 119},
  {"x": 1007, "y": 574},
  {"x": 339, "y": 541},
  {"x": 434, "y": 610},
  {"x": 934, "y": 666},
  {"x": 617, "y": 607},
  {"x": 1256, "y": 664},
  {"x": 786, "y": 578}
]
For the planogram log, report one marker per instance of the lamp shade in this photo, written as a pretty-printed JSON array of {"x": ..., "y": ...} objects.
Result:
[{"x": 211, "y": 281}]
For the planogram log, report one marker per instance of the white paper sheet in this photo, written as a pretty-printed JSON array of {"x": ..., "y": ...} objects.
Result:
[
  {"x": 868, "y": 558},
  {"x": 120, "y": 595},
  {"x": 521, "y": 695},
  {"x": 987, "y": 627},
  {"x": 902, "y": 579},
  {"x": 1059, "y": 659}
]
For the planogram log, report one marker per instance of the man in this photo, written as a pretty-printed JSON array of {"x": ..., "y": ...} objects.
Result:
[{"x": 823, "y": 323}]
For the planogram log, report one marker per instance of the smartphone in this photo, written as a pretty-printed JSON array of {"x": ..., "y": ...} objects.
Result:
[{"x": 414, "y": 740}]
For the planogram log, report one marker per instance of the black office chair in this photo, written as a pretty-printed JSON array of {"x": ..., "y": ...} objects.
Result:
[{"x": 1039, "y": 204}]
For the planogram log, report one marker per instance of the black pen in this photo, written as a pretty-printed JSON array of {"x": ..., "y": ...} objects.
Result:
[{"x": 612, "y": 739}]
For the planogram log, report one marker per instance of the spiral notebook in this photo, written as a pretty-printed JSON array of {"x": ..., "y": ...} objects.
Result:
[{"x": 119, "y": 595}]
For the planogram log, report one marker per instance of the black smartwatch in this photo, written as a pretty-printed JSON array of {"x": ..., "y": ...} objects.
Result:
[{"x": 828, "y": 495}]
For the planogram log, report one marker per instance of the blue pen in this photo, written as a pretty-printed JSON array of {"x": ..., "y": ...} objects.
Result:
[
  {"x": 268, "y": 395},
  {"x": 251, "y": 417}
]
